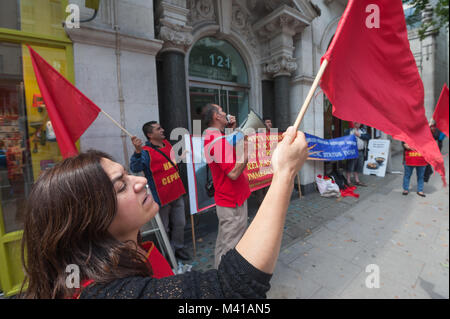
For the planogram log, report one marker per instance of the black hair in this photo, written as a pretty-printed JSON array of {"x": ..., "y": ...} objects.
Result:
[
  {"x": 148, "y": 128},
  {"x": 208, "y": 112}
]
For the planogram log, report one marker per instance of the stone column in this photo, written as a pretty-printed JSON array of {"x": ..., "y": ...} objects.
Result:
[
  {"x": 177, "y": 37},
  {"x": 172, "y": 28},
  {"x": 173, "y": 95},
  {"x": 277, "y": 31},
  {"x": 268, "y": 100},
  {"x": 282, "y": 68},
  {"x": 282, "y": 109}
]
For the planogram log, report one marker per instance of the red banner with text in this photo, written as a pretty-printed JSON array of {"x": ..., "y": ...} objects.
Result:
[{"x": 259, "y": 167}]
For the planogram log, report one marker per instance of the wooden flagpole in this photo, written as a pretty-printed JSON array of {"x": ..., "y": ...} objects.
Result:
[
  {"x": 299, "y": 187},
  {"x": 302, "y": 112},
  {"x": 118, "y": 125},
  {"x": 193, "y": 235}
]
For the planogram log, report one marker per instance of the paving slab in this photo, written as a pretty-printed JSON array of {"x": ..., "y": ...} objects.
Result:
[
  {"x": 325, "y": 269},
  {"x": 337, "y": 244},
  {"x": 288, "y": 284}
]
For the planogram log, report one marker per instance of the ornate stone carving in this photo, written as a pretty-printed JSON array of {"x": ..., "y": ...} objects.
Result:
[
  {"x": 239, "y": 17},
  {"x": 201, "y": 10},
  {"x": 283, "y": 23},
  {"x": 242, "y": 25},
  {"x": 175, "y": 37},
  {"x": 283, "y": 65},
  {"x": 172, "y": 25}
]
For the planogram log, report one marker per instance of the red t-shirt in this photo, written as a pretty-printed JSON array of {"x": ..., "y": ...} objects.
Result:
[
  {"x": 222, "y": 160},
  {"x": 414, "y": 158}
]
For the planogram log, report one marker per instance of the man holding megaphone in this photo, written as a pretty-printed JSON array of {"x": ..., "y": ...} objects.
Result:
[{"x": 230, "y": 181}]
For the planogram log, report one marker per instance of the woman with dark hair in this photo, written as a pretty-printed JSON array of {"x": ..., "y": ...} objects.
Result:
[{"x": 87, "y": 211}]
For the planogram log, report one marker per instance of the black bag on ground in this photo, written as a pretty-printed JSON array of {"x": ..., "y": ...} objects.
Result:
[
  {"x": 339, "y": 179},
  {"x": 428, "y": 173}
]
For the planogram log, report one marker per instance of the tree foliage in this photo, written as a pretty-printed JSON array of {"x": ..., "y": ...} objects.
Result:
[{"x": 438, "y": 20}]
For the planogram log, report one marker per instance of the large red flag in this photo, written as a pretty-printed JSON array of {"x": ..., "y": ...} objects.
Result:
[
  {"x": 440, "y": 115},
  {"x": 372, "y": 77},
  {"x": 70, "y": 111}
]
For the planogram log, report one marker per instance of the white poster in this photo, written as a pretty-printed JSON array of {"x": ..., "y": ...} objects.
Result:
[
  {"x": 197, "y": 175},
  {"x": 378, "y": 154}
]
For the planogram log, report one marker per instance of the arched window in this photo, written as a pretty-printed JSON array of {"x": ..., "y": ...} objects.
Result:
[{"x": 218, "y": 74}]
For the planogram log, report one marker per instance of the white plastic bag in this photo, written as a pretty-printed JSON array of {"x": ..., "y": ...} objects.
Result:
[{"x": 327, "y": 187}]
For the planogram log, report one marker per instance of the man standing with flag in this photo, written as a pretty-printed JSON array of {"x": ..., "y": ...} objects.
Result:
[{"x": 157, "y": 160}]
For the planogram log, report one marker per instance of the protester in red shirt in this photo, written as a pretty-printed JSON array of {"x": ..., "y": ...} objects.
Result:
[
  {"x": 229, "y": 179},
  {"x": 413, "y": 159}
]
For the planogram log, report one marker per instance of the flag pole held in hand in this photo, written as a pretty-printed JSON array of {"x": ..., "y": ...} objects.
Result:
[
  {"x": 118, "y": 125},
  {"x": 302, "y": 112}
]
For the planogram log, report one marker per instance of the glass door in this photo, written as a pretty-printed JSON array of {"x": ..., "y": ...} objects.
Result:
[
  {"x": 233, "y": 100},
  {"x": 237, "y": 104}
]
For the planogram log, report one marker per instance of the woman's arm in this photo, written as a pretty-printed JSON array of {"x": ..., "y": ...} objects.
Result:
[
  {"x": 235, "y": 278},
  {"x": 261, "y": 243}
]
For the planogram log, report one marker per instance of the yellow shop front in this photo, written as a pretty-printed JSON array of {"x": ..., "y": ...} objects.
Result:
[{"x": 27, "y": 141}]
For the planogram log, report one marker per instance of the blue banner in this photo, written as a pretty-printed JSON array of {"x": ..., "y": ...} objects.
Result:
[{"x": 336, "y": 149}]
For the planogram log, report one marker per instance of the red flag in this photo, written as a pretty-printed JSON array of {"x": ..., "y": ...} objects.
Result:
[
  {"x": 372, "y": 77},
  {"x": 440, "y": 115},
  {"x": 70, "y": 111}
]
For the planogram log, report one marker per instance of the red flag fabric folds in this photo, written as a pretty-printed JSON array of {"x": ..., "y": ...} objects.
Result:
[
  {"x": 372, "y": 77},
  {"x": 70, "y": 111},
  {"x": 440, "y": 115}
]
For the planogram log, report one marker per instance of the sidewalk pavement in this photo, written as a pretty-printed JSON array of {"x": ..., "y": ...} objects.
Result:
[
  {"x": 328, "y": 243},
  {"x": 406, "y": 237}
]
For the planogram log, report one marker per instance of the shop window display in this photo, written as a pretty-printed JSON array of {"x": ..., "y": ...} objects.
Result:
[
  {"x": 27, "y": 141},
  {"x": 28, "y": 144}
]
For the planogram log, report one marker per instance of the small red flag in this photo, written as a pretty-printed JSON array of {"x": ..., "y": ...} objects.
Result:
[
  {"x": 372, "y": 77},
  {"x": 440, "y": 115},
  {"x": 70, "y": 111}
]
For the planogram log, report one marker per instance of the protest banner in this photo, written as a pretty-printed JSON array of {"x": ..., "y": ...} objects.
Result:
[{"x": 259, "y": 168}]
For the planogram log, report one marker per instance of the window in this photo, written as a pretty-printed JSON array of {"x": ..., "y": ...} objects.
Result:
[
  {"x": 218, "y": 75},
  {"x": 43, "y": 17},
  {"x": 217, "y": 60}
]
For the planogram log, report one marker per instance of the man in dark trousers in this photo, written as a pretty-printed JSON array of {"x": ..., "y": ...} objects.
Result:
[
  {"x": 230, "y": 181},
  {"x": 355, "y": 165},
  {"x": 157, "y": 159}
]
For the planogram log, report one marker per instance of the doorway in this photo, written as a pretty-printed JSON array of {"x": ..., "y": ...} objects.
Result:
[
  {"x": 218, "y": 74},
  {"x": 233, "y": 100},
  {"x": 333, "y": 128}
]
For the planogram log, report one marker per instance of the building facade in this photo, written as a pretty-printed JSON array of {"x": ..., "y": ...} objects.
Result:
[
  {"x": 163, "y": 60},
  {"x": 432, "y": 55},
  {"x": 143, "y": 60}
]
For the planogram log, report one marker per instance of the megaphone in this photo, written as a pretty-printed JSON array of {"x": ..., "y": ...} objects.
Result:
[{"x": 249, "y": 126}]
